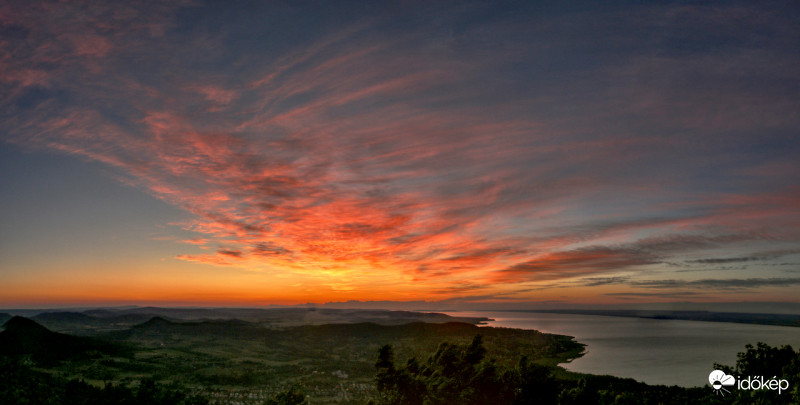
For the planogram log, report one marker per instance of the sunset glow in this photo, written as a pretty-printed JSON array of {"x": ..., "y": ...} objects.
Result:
[{"x": 196, "y": 154}]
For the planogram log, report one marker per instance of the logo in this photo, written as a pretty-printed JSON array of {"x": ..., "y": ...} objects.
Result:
[{"x": 719, "y": 380}]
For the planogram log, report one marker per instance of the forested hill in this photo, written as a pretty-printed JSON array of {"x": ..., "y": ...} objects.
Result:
[{"x": 24, "y": 337}]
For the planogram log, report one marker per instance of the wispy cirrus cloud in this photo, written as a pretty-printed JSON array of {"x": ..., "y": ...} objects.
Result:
[
  {"x": 755, "y": 257},
  {"x": 677, "y": 294},
  {"x": 574, "y": 263},
  {"x": 720, "y": 284},
  {"x": 445, "y": 153}
]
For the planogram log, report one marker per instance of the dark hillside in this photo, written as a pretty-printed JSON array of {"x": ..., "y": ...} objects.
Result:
[
  {"x": 86, "y": 324},
  {"x": 68, "y": 322},
  {"x": 158, "y": 327},
  {"x": 24, "y": 337},
  {"x": 64, "y": 317}
]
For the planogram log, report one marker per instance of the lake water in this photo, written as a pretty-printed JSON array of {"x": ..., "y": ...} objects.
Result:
[{"x": 656, "y": 351}]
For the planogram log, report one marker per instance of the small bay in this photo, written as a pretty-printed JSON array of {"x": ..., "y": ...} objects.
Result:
[{"x": 655, "y": 351}]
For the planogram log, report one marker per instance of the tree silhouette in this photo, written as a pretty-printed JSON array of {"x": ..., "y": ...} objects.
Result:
[
  {"x": 454, "y": 374},
  {"x": 763, "y": 360}
]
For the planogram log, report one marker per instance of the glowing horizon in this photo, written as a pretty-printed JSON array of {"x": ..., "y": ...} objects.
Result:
[{"x": 188, "y": 152}]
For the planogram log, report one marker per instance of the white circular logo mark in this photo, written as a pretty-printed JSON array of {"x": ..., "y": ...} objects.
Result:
[{"x": 719, "y": 380}]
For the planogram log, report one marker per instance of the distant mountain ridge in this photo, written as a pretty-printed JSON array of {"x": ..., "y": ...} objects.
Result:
[
  {"x": 63, "y": 316},
  {"x": 158, "y": 327},
  {"x": 100, "y": 321},
  {"x": 312, "y": 314}
]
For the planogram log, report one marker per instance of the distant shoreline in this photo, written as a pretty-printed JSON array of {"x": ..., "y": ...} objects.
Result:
[{"x": 704, "y": 316}]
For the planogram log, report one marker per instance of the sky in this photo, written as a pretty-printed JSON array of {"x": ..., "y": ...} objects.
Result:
[{"x": 254, "y": 153}]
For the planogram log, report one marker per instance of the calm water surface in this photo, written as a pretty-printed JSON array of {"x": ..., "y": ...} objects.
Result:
[{"x": 655, "y": 351}]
